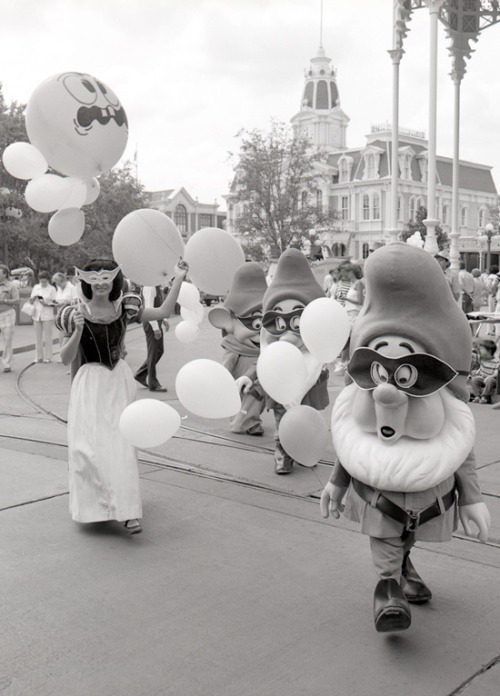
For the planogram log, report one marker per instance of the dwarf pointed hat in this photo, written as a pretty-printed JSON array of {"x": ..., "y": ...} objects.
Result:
[
  {"x": 293, "y": 279},
  {"x": 247, "y": 290},
  {"x": 408, "y": 294}
]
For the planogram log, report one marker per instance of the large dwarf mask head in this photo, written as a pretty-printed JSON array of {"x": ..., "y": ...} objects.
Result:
[
  {"x": 291, "y": 289},
  {"x": 241, "y": 314},
  {"x": 410, "y": 354}
]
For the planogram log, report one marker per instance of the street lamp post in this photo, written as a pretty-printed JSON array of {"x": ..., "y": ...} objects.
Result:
[{"x": 489, "y": 232}]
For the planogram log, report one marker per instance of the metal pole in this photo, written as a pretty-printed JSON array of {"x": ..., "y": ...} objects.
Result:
[
  {"x": 454, "y": 253},
  {"x": 396, "y": 55},
  {"x": 431, "y": 221}
]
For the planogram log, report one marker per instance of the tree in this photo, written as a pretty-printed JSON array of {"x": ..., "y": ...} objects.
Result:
[
  {"x": 417, "y": 225},
  {"x": 276, "y": 188},
  {"x": 26, "y": 240}
]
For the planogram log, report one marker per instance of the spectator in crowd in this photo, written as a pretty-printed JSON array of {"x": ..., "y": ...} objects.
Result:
[
  {"x": 484, "y": 377},
  {"x": 452, "y": 279},
  {"x": 480, "y": 295},
  {"x": 9, "y": 299},
  {"x": 43, "y": 298},
  {"x": 65, "y": 291},
  {"x": 146, "y": 374},
  {"x": 466, "y": 281}
]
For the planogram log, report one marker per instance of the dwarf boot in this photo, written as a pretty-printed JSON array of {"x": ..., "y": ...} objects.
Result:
[
  {"x": 391, "y": 610},
  {"x": 414, "y": 588},
  {"x": 283, "y": 463}
]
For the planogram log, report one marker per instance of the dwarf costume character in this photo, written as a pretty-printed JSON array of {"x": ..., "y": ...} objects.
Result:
[
  {"x": 240, "y": 319},
  {"x": 402, "y": 432},
  {"x": 292, "y": 288}
]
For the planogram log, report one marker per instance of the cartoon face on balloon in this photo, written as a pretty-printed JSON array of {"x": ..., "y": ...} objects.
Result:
[{"x": 78, "y": 124}]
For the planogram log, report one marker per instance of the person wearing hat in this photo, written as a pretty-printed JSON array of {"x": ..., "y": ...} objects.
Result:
[
  {"x": 292, "y": 288},
  {"x": 452, "y": 278},
  {"x": 240, "y": 319},
  {"x": 402, "y": 432}
]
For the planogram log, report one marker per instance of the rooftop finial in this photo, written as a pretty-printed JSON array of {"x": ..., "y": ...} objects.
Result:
[{"x": 321, "y": 25}]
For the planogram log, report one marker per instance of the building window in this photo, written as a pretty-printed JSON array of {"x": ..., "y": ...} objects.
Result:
[
  {"x": 344, "y": 171},
  {"x": 322, "y": 95},
  {"x": 482, "y": 217},
  {"x": 406, "y": 173},
  {"x": 463, "y": 217},
  {"x": 205, "y": 220},
  {"x": 376, "y": 206},
  {"x": 180, "y": 218},
  {"x": 366, "y": 250},
  {"x": 319, "y": 199},
  {"x": 366, "y": 207},
  {"x": 446, "y": 214},
  {"x": 400, "y": 208},
  {"x": 338, "y": 249},
  {"x": 370, "y": 166},
  {"x": 412, "y": 209},
  {"x": 344, "y": 209}
]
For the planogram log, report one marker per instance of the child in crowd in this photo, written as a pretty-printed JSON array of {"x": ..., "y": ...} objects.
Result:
[{"x": 484, "y": 376}]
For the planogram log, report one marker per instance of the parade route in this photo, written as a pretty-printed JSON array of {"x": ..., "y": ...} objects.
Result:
[{"x": 237, "y": 585}]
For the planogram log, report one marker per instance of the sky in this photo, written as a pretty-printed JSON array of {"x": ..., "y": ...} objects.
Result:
[{"x": 192, "y": 73}]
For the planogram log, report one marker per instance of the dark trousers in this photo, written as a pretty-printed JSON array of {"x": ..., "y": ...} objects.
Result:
[{"x": 146, "y": 374}]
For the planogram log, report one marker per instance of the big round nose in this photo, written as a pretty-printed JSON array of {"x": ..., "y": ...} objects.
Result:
[{"x": 387, "y": 395}]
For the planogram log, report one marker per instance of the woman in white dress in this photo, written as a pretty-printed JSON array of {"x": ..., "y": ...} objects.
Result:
[{"x": 103, "y": 472}]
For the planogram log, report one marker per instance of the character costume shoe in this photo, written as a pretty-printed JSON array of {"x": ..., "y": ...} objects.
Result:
[
  {"x": 256, "y": 429},
  {"x": 283, "y": 463},
  {"x": 414, "y": 588},
  {"x": 390, "y": 608},
  {"x": 133, "y": 526}
]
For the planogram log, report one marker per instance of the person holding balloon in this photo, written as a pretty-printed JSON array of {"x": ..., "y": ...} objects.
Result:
[{"x": 103, "y": 473}]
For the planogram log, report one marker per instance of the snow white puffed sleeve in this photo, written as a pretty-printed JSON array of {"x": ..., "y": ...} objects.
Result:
[{"x": 65, "y": 319}]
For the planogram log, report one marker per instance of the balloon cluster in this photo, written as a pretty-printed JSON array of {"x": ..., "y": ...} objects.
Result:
[{"x": 77, "y": 128}]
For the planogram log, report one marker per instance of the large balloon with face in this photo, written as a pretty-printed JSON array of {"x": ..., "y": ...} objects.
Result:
[{"x": 78, "y": 124}]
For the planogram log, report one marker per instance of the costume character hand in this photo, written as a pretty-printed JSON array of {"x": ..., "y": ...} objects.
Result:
[
  {"x": 331, "y": 500},
  {"x": 181, "y": 268},
  {"x": 157, "y": 333},
  {"x": 480, "y": 515},
  {"x": 244, "y": 383},
  {"x": 79, "y": 321}
]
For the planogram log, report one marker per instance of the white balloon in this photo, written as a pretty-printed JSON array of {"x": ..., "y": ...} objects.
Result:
[
  {"x": 194, "y": 315},
  {"x": 24, "y": 161},
  {"x": 324, "y": 328},
  {"x": 147, "y": 245},
  {"x": 187, "y": 332},
  {"x": 281, "y": 370},
  {"x": 207, "y": 389},
  {"x": 73, "y": 193},
  {"x": 66, "y": 226},
  {"x": 46, "y": 193},
  {"x": 149, "y": 422},
  {"x": 189, "y": 296},
  {"x": 93, "y": 190},
  {"x": 214, "y": 256}
]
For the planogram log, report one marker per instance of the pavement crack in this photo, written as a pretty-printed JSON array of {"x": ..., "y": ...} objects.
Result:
[
  {"x": 37, "y": 500},
  {"x": 489, "y": 665}
]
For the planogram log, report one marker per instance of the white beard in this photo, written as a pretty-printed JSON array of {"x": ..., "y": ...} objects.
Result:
[{"x": 408, "y": 465}]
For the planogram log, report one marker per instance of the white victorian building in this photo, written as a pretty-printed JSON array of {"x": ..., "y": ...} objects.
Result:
[{"x": 356, "y": 182}]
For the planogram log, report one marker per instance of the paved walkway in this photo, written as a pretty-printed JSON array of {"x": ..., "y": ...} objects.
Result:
[{"x": 236, "y": 586}]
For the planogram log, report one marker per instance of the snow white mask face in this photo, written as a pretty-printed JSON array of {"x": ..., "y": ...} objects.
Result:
[{"x": 97, "y": 277}]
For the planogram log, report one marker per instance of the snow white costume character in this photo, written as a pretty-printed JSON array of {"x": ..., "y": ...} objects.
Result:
[{"x": 103, "y": 473}]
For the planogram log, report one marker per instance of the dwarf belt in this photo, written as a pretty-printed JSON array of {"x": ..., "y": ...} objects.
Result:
[{"x": 411, "y": 520}]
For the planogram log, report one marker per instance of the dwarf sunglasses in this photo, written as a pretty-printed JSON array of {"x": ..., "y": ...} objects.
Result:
[{"x": 416, "y": 374}]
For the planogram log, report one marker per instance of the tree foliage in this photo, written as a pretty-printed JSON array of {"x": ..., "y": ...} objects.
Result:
[
  {"x": 26, "y": 239},
  {"x": 275, "y": 186},
  {"x": 417, "y": 225}
]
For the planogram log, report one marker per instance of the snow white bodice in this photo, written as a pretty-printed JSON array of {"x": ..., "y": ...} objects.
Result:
[{"x": 102, "y": 338}]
